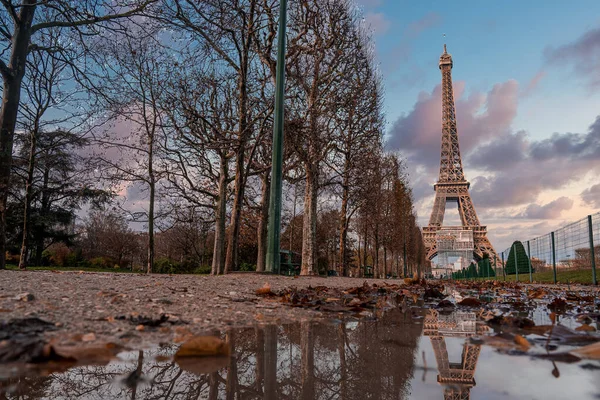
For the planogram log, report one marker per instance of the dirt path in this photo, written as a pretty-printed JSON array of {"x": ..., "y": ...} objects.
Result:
[{"x": 110, "y": 306}]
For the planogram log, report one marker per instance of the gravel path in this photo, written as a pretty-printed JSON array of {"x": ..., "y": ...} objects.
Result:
[{"x": 91, "y": 307}]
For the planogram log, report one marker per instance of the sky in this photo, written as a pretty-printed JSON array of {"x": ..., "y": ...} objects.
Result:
[{"x": 527, "y": 90}]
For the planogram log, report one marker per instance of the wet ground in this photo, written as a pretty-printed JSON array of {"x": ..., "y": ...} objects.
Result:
[{"x": 417, "y": 341}]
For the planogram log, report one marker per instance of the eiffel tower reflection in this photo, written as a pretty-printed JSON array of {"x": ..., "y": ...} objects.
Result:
[{"x": 457, "y": 378}]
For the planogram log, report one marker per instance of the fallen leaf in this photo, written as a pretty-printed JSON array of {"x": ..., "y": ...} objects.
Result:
[
  {"x": 553, "y": 318},
  {"x": 265, "y": 290},
  {"x": 591, "y": 351},
  {"x": 585, "y": 328},
  {"x": 521, "y": 341},
  {"x": 139, "y": 328},
  {"x": 88, "y": 337},
  {"x": 558, "y": 304},
  {"x": 470, "y": 302},
  {"x": 203, "y": 346}
]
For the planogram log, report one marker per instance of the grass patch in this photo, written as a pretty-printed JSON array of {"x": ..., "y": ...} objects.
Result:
[{"x": 576, "y": 276}]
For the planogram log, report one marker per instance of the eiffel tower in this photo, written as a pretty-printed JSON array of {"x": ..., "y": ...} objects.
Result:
[
  {"x": 457, "y": 378},
  {"x": 452, "y": 185}
]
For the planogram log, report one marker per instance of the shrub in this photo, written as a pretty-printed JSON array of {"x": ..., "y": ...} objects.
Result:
[
  {"x": 101, "y": 262},
  {"x": 247, "y": 267},
  {"x": 203, "y": 270}
]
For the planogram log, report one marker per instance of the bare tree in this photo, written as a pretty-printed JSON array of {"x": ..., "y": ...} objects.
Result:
[
  {"x": 21, "y": 24},
  {"x": 129, "y": 148}
]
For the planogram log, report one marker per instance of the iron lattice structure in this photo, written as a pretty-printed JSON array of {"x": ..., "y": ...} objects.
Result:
[
  {"x": 457, "y": 378},
  {"x": 452, "y": 185}
]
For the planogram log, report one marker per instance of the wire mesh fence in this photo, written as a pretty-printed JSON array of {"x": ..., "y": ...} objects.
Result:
[{"x": 567, "y": 255}]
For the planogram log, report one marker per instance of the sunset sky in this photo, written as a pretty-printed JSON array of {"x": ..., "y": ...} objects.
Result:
[{"x": 527, "y": 90}]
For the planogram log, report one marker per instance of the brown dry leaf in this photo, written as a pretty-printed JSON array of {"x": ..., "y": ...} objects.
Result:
[
  {"x": 331, "y": 300},
  {"x": 553, "y": 317},
  {"x": 139, "y": 328},
  {"x": 521, "y": 341},
  {"x": 470, "y": 302},
  {"x": 591, "y": 351},
  {"x": 415, "y": 298},
  {"x": 164, "y": 329},
  {"x": 265, "y": 290},
  {"x": 585, "y": 328},
  {"x": 182, "y": 334},
  {"x": 486, "y": 315},
  {"x": 88, "y": 337},
  {"x": 537, "y": 293},
  {"x": 203, "y": 346},
  {"x": 98, "y": 354}
]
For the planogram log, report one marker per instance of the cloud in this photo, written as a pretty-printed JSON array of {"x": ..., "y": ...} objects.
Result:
[
  {"x": 513, "y": 170},
  {"x": 583, "y": 55},
  {"x": 378, "y": 23},
  {"x": 480, "y": 117},
  {"x": 430, "y": 20},
  {"x": 552, "y": 210},
  {"x": 533, "y": 84},
  {"x": 591, "y": 196}
]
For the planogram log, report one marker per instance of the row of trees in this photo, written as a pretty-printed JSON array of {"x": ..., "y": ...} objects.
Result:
[{"x": 165, "y": 108}]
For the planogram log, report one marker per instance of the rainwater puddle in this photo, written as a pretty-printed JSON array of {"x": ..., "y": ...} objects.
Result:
[{"x": 412, "y": 355}]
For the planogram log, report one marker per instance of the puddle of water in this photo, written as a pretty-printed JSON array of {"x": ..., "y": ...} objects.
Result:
[{"x": 400, "y": 356}]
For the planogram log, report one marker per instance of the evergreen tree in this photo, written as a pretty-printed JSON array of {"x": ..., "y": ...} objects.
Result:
[{"x": 522, "y": 259}]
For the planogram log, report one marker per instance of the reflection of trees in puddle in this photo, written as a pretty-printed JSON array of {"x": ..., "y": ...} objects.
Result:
[
  {"x": 354, "y": 360},
  {"x": 457, "y": 378}
]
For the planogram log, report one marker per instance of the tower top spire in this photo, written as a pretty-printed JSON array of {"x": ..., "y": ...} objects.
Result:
[{"x": 445, "y": 58}]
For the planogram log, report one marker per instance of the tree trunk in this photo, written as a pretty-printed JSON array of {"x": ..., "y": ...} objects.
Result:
[
  {"x": 231, "y": 260},
  {"x": 28, "y": 196},
  {"x": 220, "y": 214},
  {"x": 270, "y": 362},
  {"x": 12, "y": 78},
  {"x": 151, "y": 211},
  {"x": 308, "y": 360},
  {"x": 309, "y": 230},
  {"x": 365, "y": 245},
  {"x": 385, "y": 269},
  {"x": 260, "y": 359},
  {"x": 263, "y": 223},
  {"x": 344, "y": 226},
  {"x": 213, "y": 386},
  {"x": 232, "y": 375},
  {"x": 44, "y": 209},
  {"x": 343, "y": 364}
]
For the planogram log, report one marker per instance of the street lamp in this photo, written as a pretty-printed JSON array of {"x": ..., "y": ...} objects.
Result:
[{"x": 273, "y": 254}]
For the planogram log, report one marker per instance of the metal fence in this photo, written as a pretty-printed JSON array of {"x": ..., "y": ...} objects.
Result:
[{"x": 568, "y": 255}]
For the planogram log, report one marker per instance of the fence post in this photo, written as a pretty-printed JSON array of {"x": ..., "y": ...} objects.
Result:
[
  {"x": 529, "y": 261},
  {"x": 592, "y": 250},
  {"x": 514, "y": 247},
  {"x": 503, "y": 271},
  {"x": 553, "y": 256}
]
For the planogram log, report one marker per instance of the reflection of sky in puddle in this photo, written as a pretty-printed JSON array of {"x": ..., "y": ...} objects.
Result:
[{"x": 355, "y": 360}]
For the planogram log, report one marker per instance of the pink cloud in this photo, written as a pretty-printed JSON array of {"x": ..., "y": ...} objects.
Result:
[
  {"x": 533, "y": 84},
  {"x": 378, "y": 23}
]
